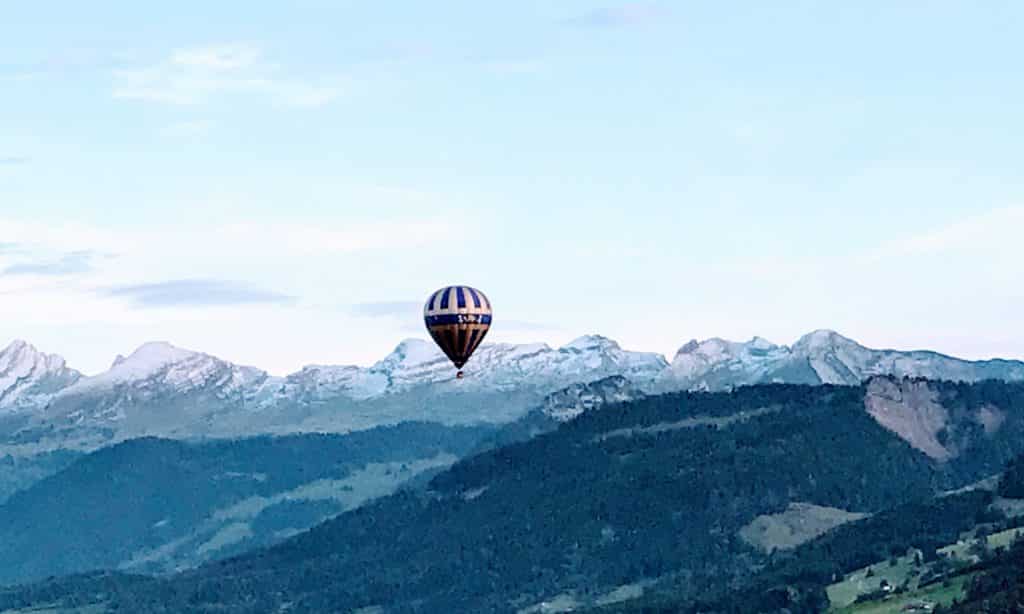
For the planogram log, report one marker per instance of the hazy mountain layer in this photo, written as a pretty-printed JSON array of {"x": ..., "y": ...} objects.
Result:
[{"x": 157, "y": 505}]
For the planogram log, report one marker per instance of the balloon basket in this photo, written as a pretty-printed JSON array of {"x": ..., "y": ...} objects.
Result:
[{"x": 458, "y": 375}]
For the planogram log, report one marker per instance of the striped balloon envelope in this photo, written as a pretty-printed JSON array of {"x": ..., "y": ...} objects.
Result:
[{"x": 458, "y": 318}]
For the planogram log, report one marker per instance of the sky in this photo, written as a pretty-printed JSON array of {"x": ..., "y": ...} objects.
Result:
[{"x": 282, "y": 184}]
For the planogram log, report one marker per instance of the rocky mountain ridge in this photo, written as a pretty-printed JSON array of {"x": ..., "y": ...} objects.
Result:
[{"x": 163, "y": 390}]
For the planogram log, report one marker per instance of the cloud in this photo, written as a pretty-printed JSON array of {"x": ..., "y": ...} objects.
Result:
[
  {"x": 301, "y": 238},
  {"x": 196, "y": 293},
  {"x": 387, "y": 309},
  {"x": 13, "y": 160},
  {"x": 625, "y": 15},
  {"x": 64, "y": 62},
  {"x": 986, "y": 230},
  {"x": 995, "y": 230},
  {"x": 68, "y": 264},
  {"x": 59, "y": 237},
  {"x": 251, "y": 238},
  {"x": 197, "y": 75},
  {"x": 217, "y": 57}
]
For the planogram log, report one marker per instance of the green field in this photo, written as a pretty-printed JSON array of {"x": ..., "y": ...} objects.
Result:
[
  {"x": 935, "y": 594},
  {"x": 961, "y": 550},
  {"x": 844, "y": 593}
]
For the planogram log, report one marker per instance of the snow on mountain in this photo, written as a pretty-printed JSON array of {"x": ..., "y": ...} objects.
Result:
[
  {"x": 501, "y": 366},
  {"x": 582, "y": 360},
  {"x": 159, "y": 365},
  {"x": 320, "y": 383},
  {"x": 717, "y": 363},
  {"x": 160, "y": 389},
  {"x": 29, "y": 378},
  {"x": 821, "y": 357},
  {"x": 570, "y": 402}
]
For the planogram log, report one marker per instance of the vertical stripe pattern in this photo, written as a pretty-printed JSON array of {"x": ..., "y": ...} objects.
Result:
[{"x": 458, "y": 318}]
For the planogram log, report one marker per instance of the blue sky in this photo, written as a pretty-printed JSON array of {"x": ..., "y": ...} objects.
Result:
[{"x": 284, "y": 183}]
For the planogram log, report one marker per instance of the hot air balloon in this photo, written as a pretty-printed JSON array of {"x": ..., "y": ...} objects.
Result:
[{"x": 458, "y": 318}]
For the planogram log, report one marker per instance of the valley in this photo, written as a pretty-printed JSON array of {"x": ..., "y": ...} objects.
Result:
[{"x": 731, "y": 499}]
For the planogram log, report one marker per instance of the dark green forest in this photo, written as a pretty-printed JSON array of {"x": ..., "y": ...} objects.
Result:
[{"x": 651, "y": 490}]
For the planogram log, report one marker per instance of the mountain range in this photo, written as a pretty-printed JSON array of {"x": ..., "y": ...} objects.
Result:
[
  {"x": 665, "y": 503},
  {"x": 162, "y": 390}
]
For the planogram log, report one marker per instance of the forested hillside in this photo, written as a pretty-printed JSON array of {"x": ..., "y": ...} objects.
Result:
[{"x": 626, "y": 499}]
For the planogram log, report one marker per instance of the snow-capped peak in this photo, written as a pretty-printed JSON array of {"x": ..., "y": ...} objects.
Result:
[
  {"x": 408, "y": 354},
  {"x": 16, "y": 346},
  {"x": 29, "y": 377},
  {"x": 591, "y": 342},
  {"x": 163, "y": 389},
  {"x": 158, "y": 365},
  {"x": 716, "y": 349},
  {"x": 148, "y": 359},
  {"x": 20, "y": 355},
  {"x": 760, "y": 343},
  {"x": 820, "y": 340}
]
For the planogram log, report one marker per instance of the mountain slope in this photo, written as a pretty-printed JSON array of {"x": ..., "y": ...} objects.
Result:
[
  {"x": 562, "y": 406},
  {"x": 657, "y": 487},
  {"x": 821, "y": 357},
  {"x": 159, "y": 505},
  {"x": 29, "y": 378},
  {"x": 157, "y": 390},
  {"x": 161, "y": 390},
  {"x": 998, "y": 588}
]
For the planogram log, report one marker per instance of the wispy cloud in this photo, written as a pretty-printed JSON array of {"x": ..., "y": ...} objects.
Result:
[
  {"x": 63, "y": 62},
  {"x": 992, "y": 230},
  {"x": 625, "y": 15},
  {"x": 13, "y": 160},
  {"x": 301, "y": 238},
  {"x": 985, "y": 229},
  {"x": 387, "y": 309},
  {"x": 196, "y": 293},
  {"x": 79, "y": 59},
  {"x": 68, "y": 264},
  {"x": 196, "y": 75},
  {"x": 250, "y": 237}
]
